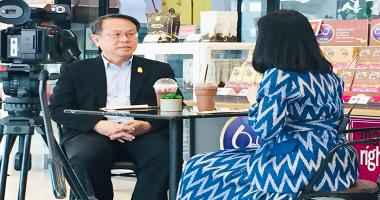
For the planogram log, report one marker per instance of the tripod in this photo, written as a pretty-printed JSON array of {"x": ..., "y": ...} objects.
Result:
[{"x": 23, "y": 119}]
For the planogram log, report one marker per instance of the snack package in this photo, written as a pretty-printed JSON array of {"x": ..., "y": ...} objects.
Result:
[
  {"x": 366, "y": 80},
  {"x": 166, "y": 25},
  {"x": 369, "y": 57},
  {"x": 340, "y": 56},
  {"x": 348, "y": 76},
  {"x": 374, "y": 80},
  {"x": 249, "y": 77},
  {"x": 219, "y": 26},
  {"x": 236, "y": 78}
]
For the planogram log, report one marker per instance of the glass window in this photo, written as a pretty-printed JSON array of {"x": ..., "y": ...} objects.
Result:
[
  {"x": 334, "y": 9},
  {"x": 251, "y": 11},
  {"x": 182, "y": 67},
  {"x": 85, "y": 11},
  {"x": 224, "y": 61}
]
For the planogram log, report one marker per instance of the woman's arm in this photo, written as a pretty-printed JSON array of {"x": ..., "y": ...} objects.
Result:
[{"x": 267, "y": 117}]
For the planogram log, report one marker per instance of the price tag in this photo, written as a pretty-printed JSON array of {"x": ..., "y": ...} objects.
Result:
[
  {"x": 151, "y": 39},
  {"x": 359, "y": 99}
]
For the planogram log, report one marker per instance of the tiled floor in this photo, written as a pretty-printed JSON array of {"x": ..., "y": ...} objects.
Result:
[{"x": 39, "y": 186}]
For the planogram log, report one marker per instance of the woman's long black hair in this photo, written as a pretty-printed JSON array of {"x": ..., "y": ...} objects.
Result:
[{"x": 286, "y": 41}]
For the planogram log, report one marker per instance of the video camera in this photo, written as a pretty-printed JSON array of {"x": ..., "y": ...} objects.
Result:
[
  {"x": 32, "y": 41},
  {"x": 24, "y": 48}
]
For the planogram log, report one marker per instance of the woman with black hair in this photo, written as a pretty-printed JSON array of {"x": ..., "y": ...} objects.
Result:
[{"x": 299, "y": 108}]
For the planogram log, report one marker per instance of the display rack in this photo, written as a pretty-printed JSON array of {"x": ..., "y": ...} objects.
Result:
[{"x": 202, "y": 54}]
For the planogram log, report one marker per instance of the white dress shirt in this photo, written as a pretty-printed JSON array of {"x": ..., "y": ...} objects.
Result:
[{"x": 118, "y": 86}]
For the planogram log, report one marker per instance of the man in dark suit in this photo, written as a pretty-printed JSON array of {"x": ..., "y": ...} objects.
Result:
[{"x": 116, "y": 78}]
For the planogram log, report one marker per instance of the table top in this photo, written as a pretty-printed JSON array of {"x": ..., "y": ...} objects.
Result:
[
  {"x": 370, "y": 110},
  {"x": 188, "y": 112}
]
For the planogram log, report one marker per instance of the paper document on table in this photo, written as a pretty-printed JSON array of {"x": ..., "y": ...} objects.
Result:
[
  {"x": 131, "y": 107},
  {"x": 223, "y": 110}
]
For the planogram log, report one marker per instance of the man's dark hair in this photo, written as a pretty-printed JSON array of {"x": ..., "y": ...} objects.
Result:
[
  {"x": 97, "y": 24},
  {"x": 286, "y": 41}
]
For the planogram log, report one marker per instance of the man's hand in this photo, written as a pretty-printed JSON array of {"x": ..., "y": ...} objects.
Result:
[
  {"x": 110, "y": 128},
  {"x": 134, "y": 128}
]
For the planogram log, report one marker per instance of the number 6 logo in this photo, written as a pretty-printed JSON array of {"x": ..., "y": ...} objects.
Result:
[{"x": 237, "y": 133}]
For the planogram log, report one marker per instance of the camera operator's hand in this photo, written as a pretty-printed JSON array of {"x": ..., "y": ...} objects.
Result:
[
  {"x": 111, "y": 128},
  {"x": 134, "y": 127}
]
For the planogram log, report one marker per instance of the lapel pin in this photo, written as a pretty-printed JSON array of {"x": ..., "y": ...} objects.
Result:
[{"x": 140, "y": 70}]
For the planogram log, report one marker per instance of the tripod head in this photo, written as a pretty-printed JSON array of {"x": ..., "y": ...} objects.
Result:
[{"x": 20, "y": 82}]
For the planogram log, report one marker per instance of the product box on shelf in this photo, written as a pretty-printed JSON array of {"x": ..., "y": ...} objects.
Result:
[
  {"x": 236, "y": 78},
  {"x": 340, "y": 56},
  {"x": 366, "y": 80},
  {"x": 343, "y": 33},
  {"x": 348, "y": 76},
  {"x": 219, "y": 26},
  {"x": 241, "y": 79},
  {"x": 249, "y": 77},
  {"x": 223, "y": 69},
  {"x": 369, "y": 57}
]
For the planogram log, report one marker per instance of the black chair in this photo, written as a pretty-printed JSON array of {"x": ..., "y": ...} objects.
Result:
[
  {"x": 362, "y": 189},
  {"x": 125, "y": 169},
  {"x": 121, "y": 168}
]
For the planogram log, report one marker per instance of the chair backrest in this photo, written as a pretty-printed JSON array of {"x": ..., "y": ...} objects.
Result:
[
  {"x": 60, "y": 131},
  {"x": 362, "y": 189}
]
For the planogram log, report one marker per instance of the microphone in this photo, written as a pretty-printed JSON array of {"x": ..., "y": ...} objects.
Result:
[
  {"x": 65, "y": 46},
  {"x": 69, "y": 47}
]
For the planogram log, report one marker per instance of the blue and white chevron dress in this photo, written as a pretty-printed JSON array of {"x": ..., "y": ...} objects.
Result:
[{"x": 296, "y": 116}]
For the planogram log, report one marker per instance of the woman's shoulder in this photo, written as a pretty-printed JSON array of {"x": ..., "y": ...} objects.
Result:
[
  {"x": 278, "y": 71},
  {"x": 276, "y": 78},
  {"x": 278, "y": 74},
  {"x": 273, "y": 72}
]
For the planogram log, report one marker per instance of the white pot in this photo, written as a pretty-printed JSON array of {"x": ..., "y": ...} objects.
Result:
[{"x": 171, "y": 105}]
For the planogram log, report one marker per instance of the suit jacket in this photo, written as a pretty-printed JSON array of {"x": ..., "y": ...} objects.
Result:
[{"x": 83, "y": 85}]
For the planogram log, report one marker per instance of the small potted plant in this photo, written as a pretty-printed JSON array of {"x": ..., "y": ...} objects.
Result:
[{"x": 171, "y": 102}]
